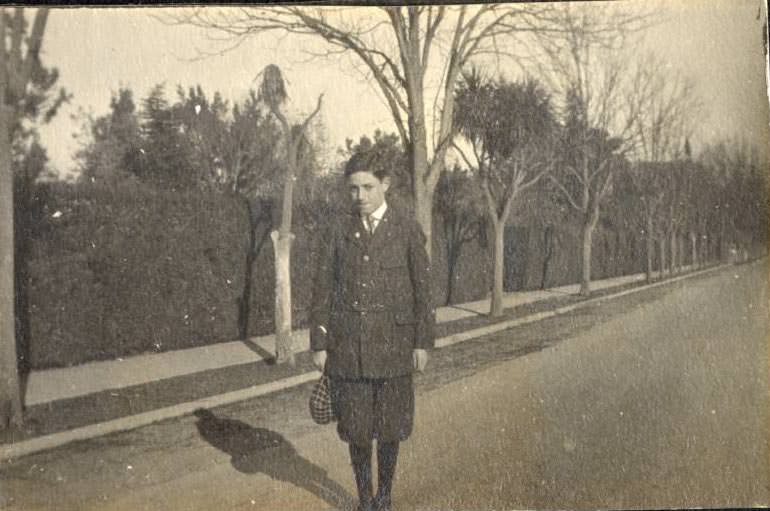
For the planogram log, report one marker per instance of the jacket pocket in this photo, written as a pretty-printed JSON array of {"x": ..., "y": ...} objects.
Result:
[
  {"x": 404, "y": 318},
  {"x": 392, "y": 263}
]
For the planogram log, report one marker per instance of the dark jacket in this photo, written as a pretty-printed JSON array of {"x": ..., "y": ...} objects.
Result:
[{"x": 371, "y": 297}]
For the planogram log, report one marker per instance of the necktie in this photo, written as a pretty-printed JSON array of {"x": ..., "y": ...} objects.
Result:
[{"x": 371, "y": 222}]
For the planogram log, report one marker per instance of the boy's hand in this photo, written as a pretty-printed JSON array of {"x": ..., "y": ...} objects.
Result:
[
  {"x": 319, "y": 359},
  {"x": 420, "y": 359}
]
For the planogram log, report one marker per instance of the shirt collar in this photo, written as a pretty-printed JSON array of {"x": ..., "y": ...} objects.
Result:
[{"x": 380, "y": 212}]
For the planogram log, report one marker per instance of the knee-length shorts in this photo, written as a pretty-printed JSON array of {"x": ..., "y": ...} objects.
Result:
[{"x": 368, "y": 409}]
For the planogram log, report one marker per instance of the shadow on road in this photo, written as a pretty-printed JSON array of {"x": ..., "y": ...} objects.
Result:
[{"x": 258, "y": 450}]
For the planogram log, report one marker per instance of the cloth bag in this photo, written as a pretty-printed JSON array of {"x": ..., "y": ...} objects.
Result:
[{"x": 321, "y": 409}]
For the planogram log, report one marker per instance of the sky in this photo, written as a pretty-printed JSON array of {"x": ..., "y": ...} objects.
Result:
[{"x": 98, "y": 50}]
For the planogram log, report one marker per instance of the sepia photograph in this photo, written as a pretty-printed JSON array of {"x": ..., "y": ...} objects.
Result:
[{"x": 385, "y": 257}]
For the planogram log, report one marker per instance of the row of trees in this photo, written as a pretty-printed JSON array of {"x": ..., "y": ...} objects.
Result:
[
  {"x": 515, "y": 151},
  {"x": 401, "y": 48},
  {"x": 580, "y": 54}
]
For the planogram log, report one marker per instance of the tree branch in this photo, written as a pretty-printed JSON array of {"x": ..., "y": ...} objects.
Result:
[
  {"x": 567, "y": 194},
  {"x": 605, "y": 187},
  {"x": 509, "y": 203},
  {"x": 34, "y": 45},
  {"x": 462, "y": 154},
  {"x": 17, "y": 34},
  {"x": 303, "y": 128},
  {"x": 490, "y": 200},
  {"x": 399, "y": 30},
  {"x": 430, "y": 31}
]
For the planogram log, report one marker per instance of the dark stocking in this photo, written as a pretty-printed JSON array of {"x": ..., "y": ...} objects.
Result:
[
  {"x": 361, "y": 457},
  {"x": 387, "y": 453}
]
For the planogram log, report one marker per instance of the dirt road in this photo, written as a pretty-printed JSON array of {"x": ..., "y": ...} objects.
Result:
[{"x": 656, "y": 400}]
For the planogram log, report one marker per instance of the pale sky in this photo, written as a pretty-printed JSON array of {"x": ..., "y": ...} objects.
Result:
[{"x": 716, "y": 42}]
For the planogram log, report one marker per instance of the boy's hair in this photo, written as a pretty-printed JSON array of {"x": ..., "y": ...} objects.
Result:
[{"x": 366, "y": 161}]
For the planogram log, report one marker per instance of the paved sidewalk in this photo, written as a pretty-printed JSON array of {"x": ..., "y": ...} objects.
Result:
[{"x": 50, "y": 385}]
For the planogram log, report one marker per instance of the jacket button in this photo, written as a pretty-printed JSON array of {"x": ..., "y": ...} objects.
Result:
[{"x": 366, "y": 257}]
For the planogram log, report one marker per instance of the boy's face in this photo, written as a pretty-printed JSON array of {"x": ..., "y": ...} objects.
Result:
[{"x": 366, "y": 191}]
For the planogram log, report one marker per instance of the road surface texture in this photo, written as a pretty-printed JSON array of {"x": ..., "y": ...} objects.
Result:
[{"x": 657, "y": 399}]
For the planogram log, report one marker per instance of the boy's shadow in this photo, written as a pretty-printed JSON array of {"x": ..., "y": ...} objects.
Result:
[{"x": 258, "y": 450}]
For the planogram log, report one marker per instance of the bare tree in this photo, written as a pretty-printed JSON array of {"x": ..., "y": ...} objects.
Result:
[
  {"x": 584, "y": 61},
  {"x": 666, "y": 110},
  {"x": 15, "y": 73},
  {"x": 643, "y": 190},
  {"x": 675, "y": 213},
  {"x": 511, "y": 129},
  {"x": 737, "y": 217},
  {"x": 398, "y": 48},
  {"x": 273, "y": 92}
]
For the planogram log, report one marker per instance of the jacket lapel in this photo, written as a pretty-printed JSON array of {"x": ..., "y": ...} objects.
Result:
[
  {"x": 384, "y": 231},
  {"x": 354, "y": 229}
]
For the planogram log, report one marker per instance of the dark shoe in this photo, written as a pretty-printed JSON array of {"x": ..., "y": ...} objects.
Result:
[
  {"x": 382, "y": 504},
  {"x": 367, "y": 505}
]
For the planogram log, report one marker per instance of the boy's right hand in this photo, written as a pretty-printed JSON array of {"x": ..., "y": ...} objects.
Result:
[{"x": 319, "y": 359}]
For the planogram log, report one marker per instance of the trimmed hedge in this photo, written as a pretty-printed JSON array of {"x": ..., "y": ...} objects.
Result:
[
  {"x": 112, "y": 271},
  {"x": 119, "y": 271}
]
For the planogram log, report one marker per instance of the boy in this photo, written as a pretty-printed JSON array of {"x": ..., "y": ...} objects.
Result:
[{"x": 371, "y": 324}]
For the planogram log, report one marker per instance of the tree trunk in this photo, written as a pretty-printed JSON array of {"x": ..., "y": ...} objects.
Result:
[
  {"x": 662, "y": 255},
  {"x": 10, "y": 391},
  {"x": 418, "y": 152},
  {"x": 547, "y": 254},
  {"x": 707, "y": 251},
  {"x": 496, "y": 305},
  {"x": 244, "y": 308},
  {"x": 585, "y": 263},
  {"x": 282, "y": 239},
  {"x": 453, "y": 254},
  {"x": 722, "y": 244},
  {"x": 255, "y": 248},
  {"x": 648, "y": 263},
  {"x": 617, "y": 260},
  {"x": 284, "y": 349},
  {"x": 650, "y": 248},
  {"x": 694, "y": 249},
  {"x": 632, "y": 263},
  {"x": 423, "y": 210},
  {"x": 679, "y": 254},
  {"x": 673, "y": 248}
]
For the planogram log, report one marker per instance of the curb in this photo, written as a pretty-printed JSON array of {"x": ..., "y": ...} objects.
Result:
[
  {"x": 42, "y": 443},
  {"x": 46, "y": 442},
  {"x": 539, "y": 316}
]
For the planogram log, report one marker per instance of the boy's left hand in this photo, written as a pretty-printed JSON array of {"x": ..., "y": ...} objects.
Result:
[{"x": 420, "y": 359}]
